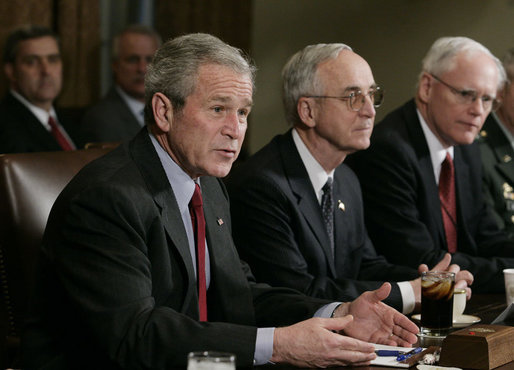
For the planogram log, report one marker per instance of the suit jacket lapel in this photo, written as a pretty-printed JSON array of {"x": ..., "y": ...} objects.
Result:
[
  {"x": 306, "y": 198},
  {"x": 229, "y": 285},
  {"x": 464, "y": 197},
  {"x": 35, "y": 130},
  {"x": 151, "y": 169},
  {"x": 420, "y": 146},
  {"x": 341, "y": 225}
]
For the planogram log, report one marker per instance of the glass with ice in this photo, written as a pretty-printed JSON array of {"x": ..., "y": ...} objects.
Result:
[{"x": 437, "y": 302}]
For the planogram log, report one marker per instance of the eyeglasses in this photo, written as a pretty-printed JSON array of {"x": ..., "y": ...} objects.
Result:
[
  {"x": 470, "y": 96},
  {"x": 356, "y": 99}
]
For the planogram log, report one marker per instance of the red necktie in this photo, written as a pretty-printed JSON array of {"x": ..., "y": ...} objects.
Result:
[
  {"x": 62, "y": 140},
  {"x": 198, "y": 221},
  {"x": 448, "y": 202}
]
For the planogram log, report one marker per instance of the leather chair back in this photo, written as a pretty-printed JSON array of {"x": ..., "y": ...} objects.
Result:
[{"x": 29, "y": 185}]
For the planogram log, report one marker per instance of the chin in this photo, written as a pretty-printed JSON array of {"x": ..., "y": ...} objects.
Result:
[
  {"x": 465, "y": 139},
  {"x": 220, "y": 171}
]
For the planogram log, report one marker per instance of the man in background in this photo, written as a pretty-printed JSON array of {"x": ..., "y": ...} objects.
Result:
[
  {"x": 421, "y": 177},
  {"x": 29, "y": 121},
  {"x": 138, "y": 266},
  {"x": 119, "y": 115},
  {"x": 497, "y": 149},
  {"x": 297, "y": 208}
]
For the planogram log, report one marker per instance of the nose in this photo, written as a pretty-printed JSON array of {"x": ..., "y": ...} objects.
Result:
[
  {"x": 44, "y": 66},
  {"x": 142, "y": 65},
  {"x": 477, "y": 107},
  {"x": 367, "y": 109},
  {"x": 232, "y": 126}
]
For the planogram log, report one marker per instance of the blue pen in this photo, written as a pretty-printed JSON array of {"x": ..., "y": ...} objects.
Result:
[
  {"x": 405, "y": 356},
  {"x": 387, "y": 352}
]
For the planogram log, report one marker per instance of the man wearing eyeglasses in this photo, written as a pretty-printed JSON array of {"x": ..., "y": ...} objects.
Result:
[
  {"x": 296, "y": 208},
  {"x": 421, "y": 176}
]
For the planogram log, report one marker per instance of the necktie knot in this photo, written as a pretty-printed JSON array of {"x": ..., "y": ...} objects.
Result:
[
  {"x": 196, "y": 200},
  {"x": 327, "y": 188},
  {"x": 59, "y": 136}
]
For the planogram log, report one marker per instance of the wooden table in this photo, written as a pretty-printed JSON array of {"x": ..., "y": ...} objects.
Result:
[{"x": 485, "y": 306}]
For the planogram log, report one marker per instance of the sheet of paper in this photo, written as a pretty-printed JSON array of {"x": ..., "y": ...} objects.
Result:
[{"x": 389, "y": 360}]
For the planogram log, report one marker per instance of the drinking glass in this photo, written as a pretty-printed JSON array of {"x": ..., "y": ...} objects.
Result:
[
  {"x": 211, "y": 360},
  {"x": 509, "y": 285},
  {"x": 437, "y": 302}
]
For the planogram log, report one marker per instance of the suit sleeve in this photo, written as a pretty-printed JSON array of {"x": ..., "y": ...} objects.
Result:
[{"x": 103, "y": 250}]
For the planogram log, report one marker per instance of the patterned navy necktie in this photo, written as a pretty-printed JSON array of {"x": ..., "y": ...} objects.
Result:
[{"x": 327, "y": 209}]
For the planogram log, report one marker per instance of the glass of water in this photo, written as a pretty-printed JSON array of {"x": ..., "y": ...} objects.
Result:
[{"x": 211, "y": 360}]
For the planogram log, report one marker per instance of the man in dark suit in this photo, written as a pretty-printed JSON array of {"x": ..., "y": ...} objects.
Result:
[
  {"x": 496, "y": 143},
  {"x": 430, "y": 141},
  {"x": 119, "y": 115},
  {"x": 28, "y": 119},
  {"x": 277, "y": 196},
  {"x": 126, "y": 281}
]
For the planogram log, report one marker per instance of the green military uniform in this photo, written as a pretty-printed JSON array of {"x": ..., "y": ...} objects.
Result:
[{"x": 498, "y": 172}]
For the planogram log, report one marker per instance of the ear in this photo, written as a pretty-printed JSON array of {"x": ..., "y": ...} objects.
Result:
[
  {"x": 424, "y": 88},
  {"x": 306, "y": 108},
  {"x": 502, "y": 92},
  {"x": 162, "y": 111}
]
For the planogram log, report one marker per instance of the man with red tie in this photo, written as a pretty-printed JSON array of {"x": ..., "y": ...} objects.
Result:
[
  {"x": 138, "y": 265},
  {"x": 421, "y": 176},
  {"x": 28, "y": 119}
]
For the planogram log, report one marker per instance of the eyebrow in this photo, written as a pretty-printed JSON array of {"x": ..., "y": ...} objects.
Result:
[
  {"x": 226, "y": 99},
  {"x": 358, "y": 88}
]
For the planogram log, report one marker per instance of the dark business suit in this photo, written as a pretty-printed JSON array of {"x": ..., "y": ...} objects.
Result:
[
  {"x": 498, "y": 173},
  {"x": 21, "y": 131},
  {"x": 402, "y": 208},
  {"x": 279, "y": 231},
  {"x": 109, "y": 120},
  {"x": 117, "y": 288}
]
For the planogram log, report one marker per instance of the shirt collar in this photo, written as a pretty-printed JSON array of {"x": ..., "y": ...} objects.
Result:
[
  {"x": 181, "y": 183},
  {"x": 436, "y": 149},
  {"x": 317, "y": 175},
  {"x": 135, "y": 106},
  {"x": 41, "y": 114}
]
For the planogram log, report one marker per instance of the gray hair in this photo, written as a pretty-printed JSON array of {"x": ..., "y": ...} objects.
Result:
[
  {"x": 300, "y": 77},
  {"x": 174, "y": 69},
  {"x": 137, "y": 29},
  {"x": 441, "y": 56}
]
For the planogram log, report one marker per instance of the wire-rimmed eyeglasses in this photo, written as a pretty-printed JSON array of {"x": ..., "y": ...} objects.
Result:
[
  {"x": 356, "y": 99},
  {"x": 470, "y": 96}
]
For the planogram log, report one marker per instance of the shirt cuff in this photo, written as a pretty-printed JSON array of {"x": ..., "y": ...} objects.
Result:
[
  {"x": 264, "y": 340},
  {"x": 327, "y": 310},
  {"x": 263, "y": 346},
  {"x": 408, "y": 297}
]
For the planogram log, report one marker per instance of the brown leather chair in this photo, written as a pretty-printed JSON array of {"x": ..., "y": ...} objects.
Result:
[{"x": 29, "y": 185}]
